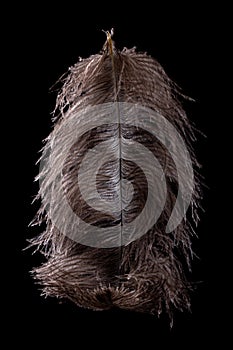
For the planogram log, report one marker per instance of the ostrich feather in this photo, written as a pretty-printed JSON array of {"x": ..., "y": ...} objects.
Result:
[{"x": 145, "y": 273}]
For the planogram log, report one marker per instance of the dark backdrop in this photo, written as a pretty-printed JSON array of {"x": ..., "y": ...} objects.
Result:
[{"x": 185, "y": 40}]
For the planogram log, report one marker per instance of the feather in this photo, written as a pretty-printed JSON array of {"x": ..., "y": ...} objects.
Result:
[{"x": 93, "y": 188}]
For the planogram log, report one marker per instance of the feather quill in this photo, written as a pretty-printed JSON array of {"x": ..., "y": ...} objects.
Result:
[{"x": 146, "y": 275}]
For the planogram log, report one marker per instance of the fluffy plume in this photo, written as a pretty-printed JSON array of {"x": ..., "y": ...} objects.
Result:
[{"x": 147, "y": 273}]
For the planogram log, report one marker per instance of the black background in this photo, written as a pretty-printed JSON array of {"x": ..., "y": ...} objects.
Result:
[{"x": 187, "y": 43}]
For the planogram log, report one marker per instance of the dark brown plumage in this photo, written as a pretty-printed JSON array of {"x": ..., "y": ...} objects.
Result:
[{"x": 145, "y": 275}]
